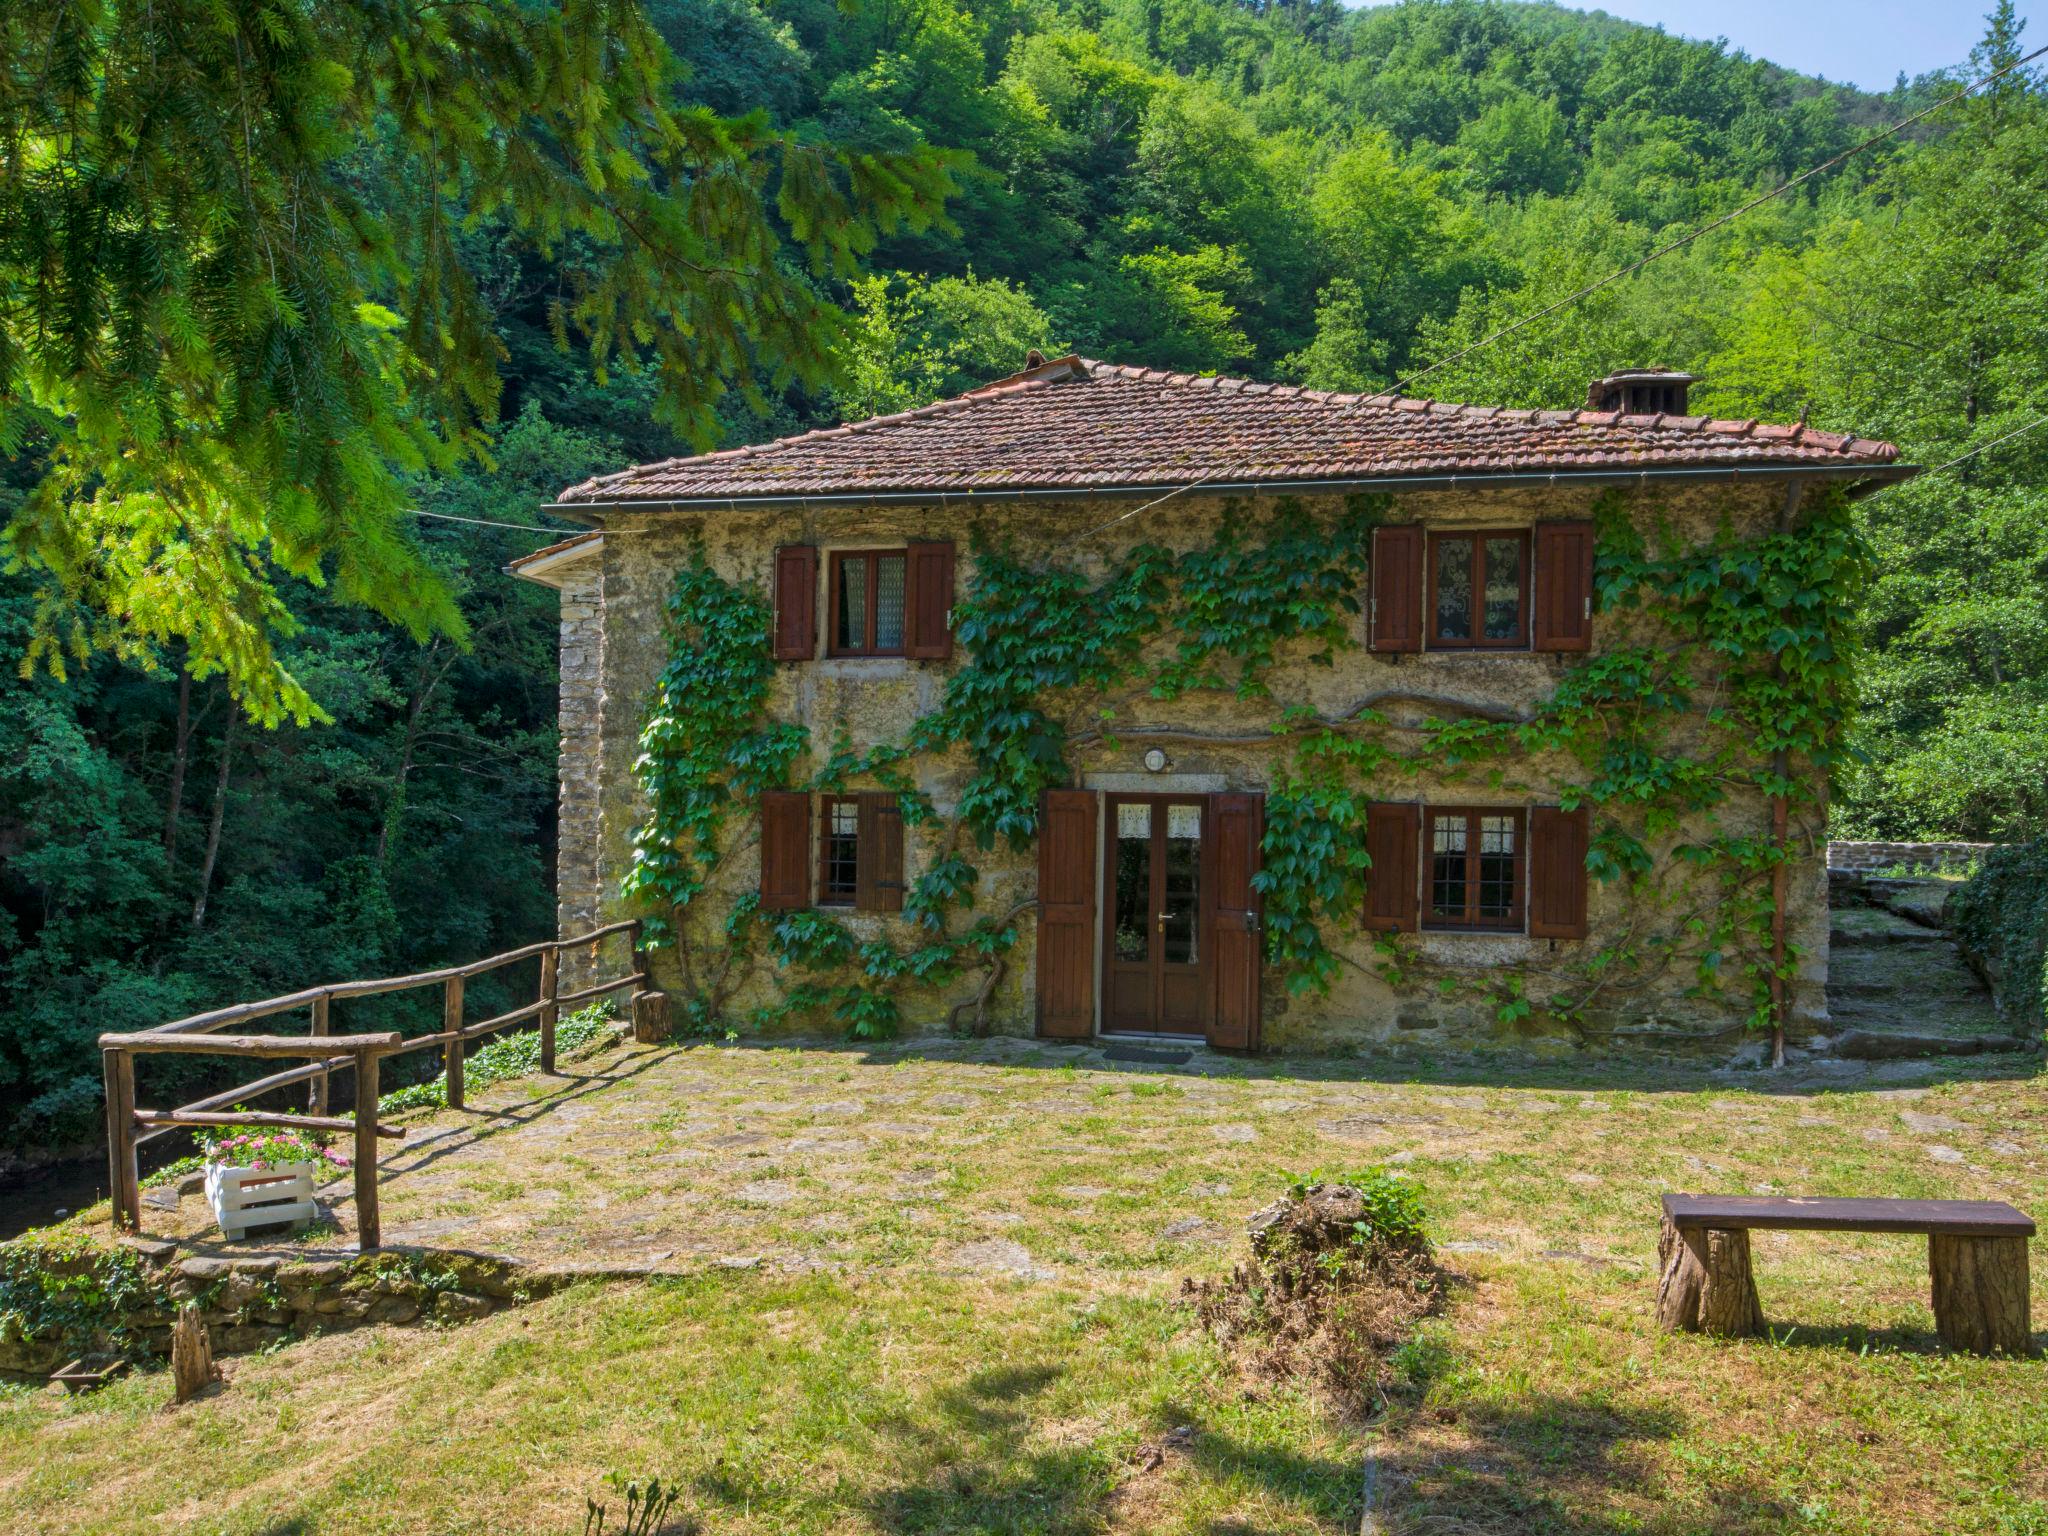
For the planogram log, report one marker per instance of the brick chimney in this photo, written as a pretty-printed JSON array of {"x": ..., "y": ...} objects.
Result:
[{"x": 1641, "y": 392}]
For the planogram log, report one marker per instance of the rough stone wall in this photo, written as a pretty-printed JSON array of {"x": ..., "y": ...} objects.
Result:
[
  {"x": 1937, "y": 858},
  {"x": 255, "y": 1301},
  {"x": 577, "y": 877},
  {"x": 875, "y": 701}
]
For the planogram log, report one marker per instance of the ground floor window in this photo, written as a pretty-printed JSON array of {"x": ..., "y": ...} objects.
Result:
[
  {"x": 839, "y": 852},
  {"x": 1474, "y": 875}
]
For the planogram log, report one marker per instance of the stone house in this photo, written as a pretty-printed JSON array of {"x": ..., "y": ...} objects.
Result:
[{"x": 1135, "y": 906}]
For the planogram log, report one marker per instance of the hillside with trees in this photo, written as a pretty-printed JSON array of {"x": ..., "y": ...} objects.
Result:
[{"x": 342, "y": 764}]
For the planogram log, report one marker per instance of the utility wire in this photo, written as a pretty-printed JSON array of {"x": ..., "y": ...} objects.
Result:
[
  {"x": 484, "y": 522},
  {"x": 2038, "y": 421},
  {"x": 1393, "y": 391}
]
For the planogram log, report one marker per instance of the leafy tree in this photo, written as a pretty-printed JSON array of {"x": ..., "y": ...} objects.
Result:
[
  {"x": 238, "y": 311},
  {"x": 915, "y": 341}
]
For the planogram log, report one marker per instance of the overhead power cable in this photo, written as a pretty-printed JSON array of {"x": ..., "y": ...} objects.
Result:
[
  {"x": 485, "y": 522},
  {"x": 1399, "y": 387},
  {"x": 2038, "y": 421}
]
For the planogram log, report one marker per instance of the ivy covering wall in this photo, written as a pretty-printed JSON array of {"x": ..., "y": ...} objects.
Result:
[{"x": 1730, "y": 683}]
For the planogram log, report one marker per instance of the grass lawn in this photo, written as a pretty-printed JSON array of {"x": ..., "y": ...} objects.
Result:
[{"x": 937, "y": 1289}]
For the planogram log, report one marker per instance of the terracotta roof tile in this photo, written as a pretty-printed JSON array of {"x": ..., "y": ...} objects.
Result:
[{"x": 1089, "y": 426}]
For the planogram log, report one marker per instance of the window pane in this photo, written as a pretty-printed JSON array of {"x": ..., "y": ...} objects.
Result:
[
  {"x": 1503, "y": 589},
  {"x": 1447, "y": 867},
  {"x": 1133, "y": 881},
  {"x": 1496, "y": 866},
  {"x": 851, "y": 622},
  {"x": 1183, "y": 884},
  {"x": 1454, "y": 589},
  {"x": 842, "y": 850},
  {"x": 889, "y": 603}
]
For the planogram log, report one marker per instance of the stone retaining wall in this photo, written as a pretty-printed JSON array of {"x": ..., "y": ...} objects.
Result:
[
  {"x": 1933, "y": 858},
  {"x": 58, "y": 1303}
]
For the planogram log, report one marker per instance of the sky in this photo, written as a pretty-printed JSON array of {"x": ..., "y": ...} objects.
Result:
[{"x": 1858, "y": 42}]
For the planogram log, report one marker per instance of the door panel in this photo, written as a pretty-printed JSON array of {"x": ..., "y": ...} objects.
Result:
[
  {"x": 1130, "y": 879},
  {"x": 1236, "y": 829},
  {"x": 1179, "y": 931},
  {"x": 1066, "y": 914},
  {"x": 1155, "y": 940}
]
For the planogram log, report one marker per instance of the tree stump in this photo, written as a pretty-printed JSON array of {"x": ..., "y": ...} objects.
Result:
[
  {"x": 650, "y": 1017},
  {"x": 1704, "y": 1283},
  {"x": 1980, "y": 1293},
  {"x": 192, "y": 1367}
]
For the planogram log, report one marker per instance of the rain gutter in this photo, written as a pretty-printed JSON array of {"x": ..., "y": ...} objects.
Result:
[{"x": 1869, "y": 477}]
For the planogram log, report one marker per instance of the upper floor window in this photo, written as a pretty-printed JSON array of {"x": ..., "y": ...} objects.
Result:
[
  {"x": 1474, "y": 874},
  {"x": 867, "y": 602},
  {"x": 1479, "y": 589}
]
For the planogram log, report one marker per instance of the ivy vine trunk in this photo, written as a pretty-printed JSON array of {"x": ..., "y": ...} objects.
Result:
[{"x": 1536, "y": 760}]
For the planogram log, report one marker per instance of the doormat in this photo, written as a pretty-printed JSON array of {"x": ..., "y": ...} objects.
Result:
[{"x": 1150, "y": 1057}]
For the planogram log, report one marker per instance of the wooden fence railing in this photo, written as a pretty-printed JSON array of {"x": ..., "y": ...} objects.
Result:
[{"x": 128, "y": 1127}]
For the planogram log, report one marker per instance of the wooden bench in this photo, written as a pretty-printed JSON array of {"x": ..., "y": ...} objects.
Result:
[{"x": 1976, "y": 1252}]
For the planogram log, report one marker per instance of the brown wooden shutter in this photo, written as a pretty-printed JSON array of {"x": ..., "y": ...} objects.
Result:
[
  {"x": 1558, "y": 841},
  {"x": 1563, "y": 620},
  {"x": 1394, "y": 621},
  {"x": 785, "y": 850},
  {"x": 796, "y": 602},
  {"x": 1066, "y": 914},
  {"x": 1236, "y": 826},
  {"x": 878, "y": 862},
  {"x": 928, "y": 602},
  {"x": 1393, "y": 838}
]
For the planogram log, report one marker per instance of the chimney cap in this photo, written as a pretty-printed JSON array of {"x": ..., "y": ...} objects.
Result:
[
  {"x": 1652, "y": 375},
  {"x": 1641, "y": 391}
]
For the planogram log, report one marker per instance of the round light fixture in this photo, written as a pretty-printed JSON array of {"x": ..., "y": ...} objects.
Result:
[{"x": 1155, "y": 761}]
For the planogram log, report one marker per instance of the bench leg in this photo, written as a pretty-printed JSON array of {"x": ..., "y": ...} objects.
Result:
[
  {"x": 1980, "y": 1293},
  {"x": 1704, "y": 1283}
]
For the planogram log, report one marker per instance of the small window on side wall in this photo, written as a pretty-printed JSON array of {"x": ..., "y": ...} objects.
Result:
[
  {"x": 1479, "y": 590},
  {"x": 1473, "y": 871}
]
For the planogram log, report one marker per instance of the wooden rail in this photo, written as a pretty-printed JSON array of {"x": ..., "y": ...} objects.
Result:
[{"x": 128, "y": 1126}]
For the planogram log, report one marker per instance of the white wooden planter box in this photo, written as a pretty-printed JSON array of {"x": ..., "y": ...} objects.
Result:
[{"x": 256, "y": 1197}]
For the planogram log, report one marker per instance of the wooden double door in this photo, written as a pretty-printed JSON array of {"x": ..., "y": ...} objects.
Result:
[{"x": 1173, "y": 945}]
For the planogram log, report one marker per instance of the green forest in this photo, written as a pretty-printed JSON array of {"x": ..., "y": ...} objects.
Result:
[{"x": 262, "y": 737}]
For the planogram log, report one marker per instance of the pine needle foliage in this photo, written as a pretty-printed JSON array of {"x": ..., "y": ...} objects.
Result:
[{"x": 236, "y": 311}]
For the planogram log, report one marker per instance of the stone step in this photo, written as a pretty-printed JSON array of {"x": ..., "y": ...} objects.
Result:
[
  {"x": 1867, "y": 927},
  {"x": 1895, "y": 1044}
]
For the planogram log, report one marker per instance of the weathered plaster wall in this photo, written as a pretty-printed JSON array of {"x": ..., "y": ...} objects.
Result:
[
  {"x": 876, "y": 700},
  {"x": 578, "y": 879}
]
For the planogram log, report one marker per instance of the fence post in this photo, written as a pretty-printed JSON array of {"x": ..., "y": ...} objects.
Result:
[
  {"x": 318, "y": 1100},
  {"x": 451, "y": 1020},
  {"x": 124, "y": 1182},
  {"x": 550, "y": 972},
  {"x": 369, "y": 1232}
]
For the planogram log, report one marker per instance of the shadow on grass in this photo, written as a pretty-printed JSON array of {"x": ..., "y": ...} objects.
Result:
[
  {"x": 1859, "y": 1339},
  {"x": 1553, "y": 1463},
  {"x": 1505, "y": 1067},
  {"x": 984, "y": 1455}
]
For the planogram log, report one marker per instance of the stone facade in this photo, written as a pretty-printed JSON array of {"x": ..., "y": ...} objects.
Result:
[
  {"x": 577, "y": 888},
  {"x": 875, "y": 700}
]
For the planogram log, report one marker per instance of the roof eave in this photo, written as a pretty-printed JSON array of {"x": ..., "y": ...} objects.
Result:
[
  {"x": 546, "y": 567},
  {"x": 1866, "y": 477}
]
